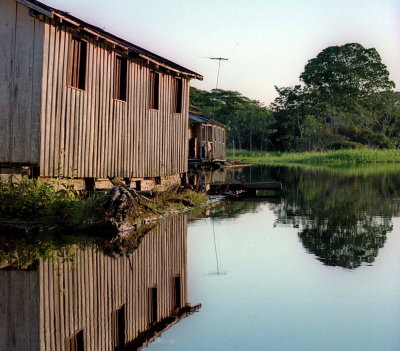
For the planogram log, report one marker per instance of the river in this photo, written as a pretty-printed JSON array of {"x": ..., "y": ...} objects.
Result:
[{"x": 312, "y": 267}]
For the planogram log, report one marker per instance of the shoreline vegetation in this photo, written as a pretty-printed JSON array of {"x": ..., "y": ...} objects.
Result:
[
  {"x": 328, "y": 158},
  {"x": 32, "y": 203},
  {"x": 345, "y": 100}
]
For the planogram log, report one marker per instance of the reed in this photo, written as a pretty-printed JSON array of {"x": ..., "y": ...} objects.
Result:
[{"x": 358, "y": 156}]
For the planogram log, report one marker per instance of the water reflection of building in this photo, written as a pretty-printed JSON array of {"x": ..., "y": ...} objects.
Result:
[
  {"x": 98, "y": 302},
  {"x": 203, "y": 177}
]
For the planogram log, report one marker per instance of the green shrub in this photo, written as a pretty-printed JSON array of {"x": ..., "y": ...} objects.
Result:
[
  {"x": 344, "y": 145},
  {"x": 380, "y": 141},
  {"x": 38, "y": 201}
]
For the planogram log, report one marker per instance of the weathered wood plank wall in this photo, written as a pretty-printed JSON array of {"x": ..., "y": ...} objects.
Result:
[
  {"x": 19, "y": 305},
  {"x": 82, "y": 133},
  {"x": 21, "y": 56},
  {"x": 91, "y": 134},
  {"x": 217, "y": 136},
  {"x": 83, "y": 294},
  {"x": 218, "y": 145}
]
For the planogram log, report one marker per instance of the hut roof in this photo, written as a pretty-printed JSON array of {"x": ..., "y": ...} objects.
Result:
[
  {"x": 96, "y": 31},
  {"x": 205, "y": 120}
]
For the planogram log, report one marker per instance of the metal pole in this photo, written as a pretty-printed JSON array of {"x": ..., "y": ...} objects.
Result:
[
  {"x": 219, "y": 67},
  {"x": 216, "y": 86}
]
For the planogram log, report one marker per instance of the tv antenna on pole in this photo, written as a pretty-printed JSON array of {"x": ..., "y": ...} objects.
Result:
[
  {"x": 217, "y": 259},
  {"x": 219, "y": 66}
]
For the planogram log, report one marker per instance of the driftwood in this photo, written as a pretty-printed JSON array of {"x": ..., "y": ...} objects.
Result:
[
  {"x": 221, "y": 188},
  {"x": 119, "y": 204}
]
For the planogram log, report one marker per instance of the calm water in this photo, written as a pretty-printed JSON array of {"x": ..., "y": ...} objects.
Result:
[{"x": 314, "y": 267}]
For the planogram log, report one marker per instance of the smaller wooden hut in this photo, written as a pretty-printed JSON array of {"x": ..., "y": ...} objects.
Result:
[{"x": 207, "y": 139}]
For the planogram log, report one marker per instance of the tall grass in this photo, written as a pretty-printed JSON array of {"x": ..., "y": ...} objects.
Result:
[{"x": 329, "y": 157}]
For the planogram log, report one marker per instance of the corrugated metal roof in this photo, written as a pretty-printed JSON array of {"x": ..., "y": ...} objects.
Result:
[
  {"x": 197, "y": 118},
  {"x": 203, "y": 119},
  {"x": 50, "y": 12}
]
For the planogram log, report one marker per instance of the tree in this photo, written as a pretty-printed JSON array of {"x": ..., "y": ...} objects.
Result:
[
  {"x": 249, "y": 121},
  {"x": 346, "y": 99},
  {"x": 347, "y": 70},
  {"x": 346, "y": 96},
  {"x": 386, "y": 110}
]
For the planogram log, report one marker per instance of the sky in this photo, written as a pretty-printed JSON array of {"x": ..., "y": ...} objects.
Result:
[{"x": 267, "y": 42}]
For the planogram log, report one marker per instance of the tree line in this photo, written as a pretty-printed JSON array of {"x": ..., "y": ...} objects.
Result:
[{"x": 345, "y": 100}]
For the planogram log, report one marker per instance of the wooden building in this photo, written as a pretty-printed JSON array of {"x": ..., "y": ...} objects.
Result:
[
  {"x": 207, "y": 139},
  {"x": 78, "y": 101},
  {"x": 96, "y": 302}
]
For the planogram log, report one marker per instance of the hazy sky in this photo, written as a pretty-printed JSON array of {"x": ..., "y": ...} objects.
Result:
[{"x": 268, "y": 42}]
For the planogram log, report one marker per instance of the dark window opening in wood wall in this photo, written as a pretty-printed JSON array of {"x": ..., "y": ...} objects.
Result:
[
  {"x": 177, "y": 291},
  {"x": 77, "y": 64},
  {"x": 75, "y": 342},
  {"x": 154, "y": 90},
  {"x": 120, "y": 78},
  {"x": 153, "y": 305},
  {"x": 118, "y": 328},
  {"x": 178, "y": 91}
]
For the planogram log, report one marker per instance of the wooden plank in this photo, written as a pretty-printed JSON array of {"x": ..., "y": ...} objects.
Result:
[
  {"x": 92, "y": 88},
  {"x": 63, "y": 101},
  {"x": 51, "y": 80},
  {"x": 55, "y": 148},
  {"x": 5, "y": 311},
  {"x": 7, "y": 31},
  {"x": 36, "y": 92},
  {"x": 46, "y": 107},
  {"x": 24, "y": 38},
  {"x": 96, "y": 111}
]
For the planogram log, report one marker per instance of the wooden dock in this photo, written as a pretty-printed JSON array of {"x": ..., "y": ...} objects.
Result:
[{"x": 248, "y": 188}]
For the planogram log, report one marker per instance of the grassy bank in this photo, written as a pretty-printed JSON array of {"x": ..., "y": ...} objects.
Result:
[
  {"x": 141, "y": 209},
  {"x": 361, "y": 156},
  {"x": 33, "y": 201}
]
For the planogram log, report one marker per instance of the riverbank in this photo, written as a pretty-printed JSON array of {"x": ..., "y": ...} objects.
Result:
[
  {"x": 32, "y": 203},
  {"x": 338, "y": 157}
]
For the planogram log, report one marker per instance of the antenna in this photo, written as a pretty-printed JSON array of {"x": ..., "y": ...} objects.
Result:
[
  {"x": 216, "y": 87},
  {"x": 219, "y": 66},
  {"x": 218, "y": 272}
]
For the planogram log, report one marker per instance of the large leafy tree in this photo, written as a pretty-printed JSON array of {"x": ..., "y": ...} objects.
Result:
[
  {"x": 349, "y": 69},
  {"x": 346, "y": 96}
]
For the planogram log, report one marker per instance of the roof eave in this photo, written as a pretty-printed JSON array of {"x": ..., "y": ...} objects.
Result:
[
  {"x": 37, "y": 8},
  {"x": 56, "y": 14},
  {"x": 206, "y": 121},
  {"x": 124, "y": 47}
]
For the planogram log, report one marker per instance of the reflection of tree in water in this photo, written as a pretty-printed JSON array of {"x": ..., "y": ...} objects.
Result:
[
  {"x": 344, "y": 247},
  {"x": 233, "y": 209},
  {"x": 24, "y": 250},
  {"x": 344, "y": 219}
]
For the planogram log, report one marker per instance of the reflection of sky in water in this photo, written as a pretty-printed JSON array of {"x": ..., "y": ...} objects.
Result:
[{"x": 277, "y": 297}]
